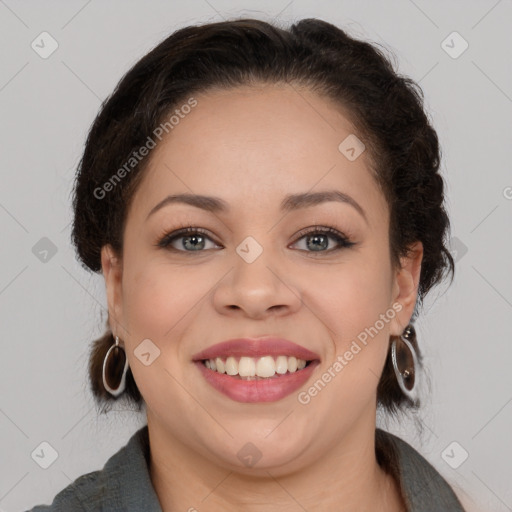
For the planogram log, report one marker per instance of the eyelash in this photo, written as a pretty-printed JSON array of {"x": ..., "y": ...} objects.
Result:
[{"x": 342, "y": 240}]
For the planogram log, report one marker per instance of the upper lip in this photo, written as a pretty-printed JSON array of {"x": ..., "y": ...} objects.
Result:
[{"x": 256, "y": 347}]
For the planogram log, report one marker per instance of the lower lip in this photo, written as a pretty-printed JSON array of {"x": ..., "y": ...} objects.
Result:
[{"x": 263, "y": 390}]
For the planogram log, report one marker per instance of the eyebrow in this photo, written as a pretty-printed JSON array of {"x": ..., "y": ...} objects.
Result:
[{"x": 290, "y": 203}]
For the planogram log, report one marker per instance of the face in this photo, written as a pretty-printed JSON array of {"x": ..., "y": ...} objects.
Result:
[{"x": 264, "y": 266}]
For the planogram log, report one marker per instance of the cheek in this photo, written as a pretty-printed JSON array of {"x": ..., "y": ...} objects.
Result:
[
  {"x": 352, "y": 294},
  {"x": 155, "y": 305},
  {"x": 358, "y": 297},
  {"x": 347, "y": 384},
  {"x": 156, "y": 298}
]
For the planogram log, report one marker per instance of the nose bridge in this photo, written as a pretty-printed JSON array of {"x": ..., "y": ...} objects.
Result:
[
  {"x": 258, "y": 280},
  {"x": 252, "y": 266}
]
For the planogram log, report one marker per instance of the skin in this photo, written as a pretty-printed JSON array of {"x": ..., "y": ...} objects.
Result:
[{"x": 252, "y": 146}]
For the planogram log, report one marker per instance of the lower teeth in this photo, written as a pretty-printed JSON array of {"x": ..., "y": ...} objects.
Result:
[{"x": 257, "y": 377}]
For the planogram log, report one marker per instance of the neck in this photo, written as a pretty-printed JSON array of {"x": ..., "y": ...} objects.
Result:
[{"x": 345, "y": 479}]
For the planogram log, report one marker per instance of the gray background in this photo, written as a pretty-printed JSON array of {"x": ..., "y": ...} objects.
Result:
[{"x": 51, "y": 308}]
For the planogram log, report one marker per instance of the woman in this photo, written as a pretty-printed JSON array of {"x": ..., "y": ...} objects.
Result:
[{"x": 266, "y": 209}]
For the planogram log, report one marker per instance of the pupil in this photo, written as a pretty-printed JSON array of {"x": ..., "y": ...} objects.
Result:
[
  {"x": 196, "y": 243},
  {"x": 316, "y": 238}
]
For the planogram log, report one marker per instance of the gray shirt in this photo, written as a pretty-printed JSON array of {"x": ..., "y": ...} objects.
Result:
[{"x": 124, "y": 484}]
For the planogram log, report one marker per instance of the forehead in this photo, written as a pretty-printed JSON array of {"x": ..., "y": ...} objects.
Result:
[{"x": 257, "y": 143}]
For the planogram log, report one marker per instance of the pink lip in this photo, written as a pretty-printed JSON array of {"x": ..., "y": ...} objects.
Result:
[
  {"x": 256, "y": 347},
  {"x": 258, "y": 390},
  {"x": 264, "y": 390}
]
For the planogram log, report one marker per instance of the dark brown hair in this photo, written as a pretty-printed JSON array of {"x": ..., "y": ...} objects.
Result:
[{"x": 385, "y": 108}]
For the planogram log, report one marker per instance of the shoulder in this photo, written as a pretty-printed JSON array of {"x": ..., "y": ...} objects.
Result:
[
  {"x": 423, "y": 487},
  {"x": 79, "y": 495},
  {"x": 124, "y": 484}
]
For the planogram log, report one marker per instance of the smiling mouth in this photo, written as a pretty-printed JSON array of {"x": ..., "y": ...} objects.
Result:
[{"x": 256, "y": 368}]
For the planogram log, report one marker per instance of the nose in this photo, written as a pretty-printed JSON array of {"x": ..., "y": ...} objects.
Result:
[{"x": 257, "y": 289}]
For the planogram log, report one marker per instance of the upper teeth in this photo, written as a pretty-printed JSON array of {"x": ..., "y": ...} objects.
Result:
[{"x": 265, "y": 366}]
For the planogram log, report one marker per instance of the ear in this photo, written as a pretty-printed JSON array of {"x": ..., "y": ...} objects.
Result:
[
  {"x": 405, "y": 288},
  {"x": 113, "y": 273}
]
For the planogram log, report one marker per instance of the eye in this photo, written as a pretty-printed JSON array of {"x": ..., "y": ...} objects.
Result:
[
  {"x": 191, "y": 238},
  {"x": 194, "y": 239},
  {"x": 318, "y": 237}
]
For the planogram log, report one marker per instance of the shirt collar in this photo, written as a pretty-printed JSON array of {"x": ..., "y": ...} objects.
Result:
[
  {"x": 422, "y": 487},
  {"x": 129, "y": 479},
  {"x": 130, "y": 488}
]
